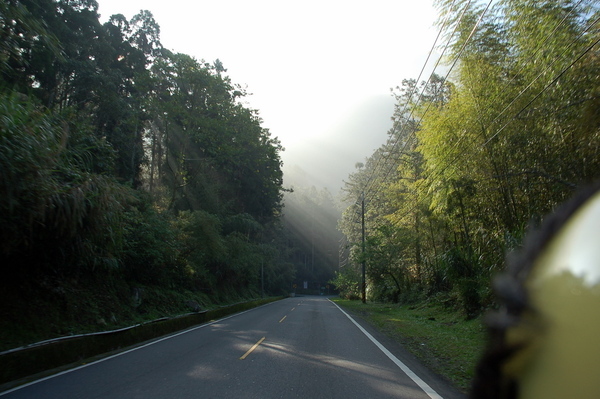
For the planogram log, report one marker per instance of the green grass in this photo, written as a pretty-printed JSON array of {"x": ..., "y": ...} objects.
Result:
[{"x": 441, "y": 338}]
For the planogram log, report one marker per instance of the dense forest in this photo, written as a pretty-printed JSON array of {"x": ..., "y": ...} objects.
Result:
[
  {"x": 135, "y": 181},
  {"x": 132, "y": 178},
  {"x": 479, "y": 153},
  {"x": 310, "y": 218}
]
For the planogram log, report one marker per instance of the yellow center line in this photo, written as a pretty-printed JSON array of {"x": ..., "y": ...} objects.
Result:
[
  {"x": 282, "y": 319},
  {"x": 253, "y": 348}
]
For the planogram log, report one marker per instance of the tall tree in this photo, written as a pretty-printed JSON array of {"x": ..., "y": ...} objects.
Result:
[{"x": 475, "y": 160}]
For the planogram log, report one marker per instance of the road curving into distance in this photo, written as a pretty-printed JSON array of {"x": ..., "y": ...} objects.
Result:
[{"x": 294, "y": 348}]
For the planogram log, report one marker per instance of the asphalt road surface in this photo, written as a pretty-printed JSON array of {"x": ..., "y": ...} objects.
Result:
[{"x": 304, "y": 347}]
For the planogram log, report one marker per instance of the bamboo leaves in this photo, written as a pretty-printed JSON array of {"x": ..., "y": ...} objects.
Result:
[{"x": 510, "y": 137}]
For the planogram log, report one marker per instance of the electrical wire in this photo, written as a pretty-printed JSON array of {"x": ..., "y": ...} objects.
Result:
[
  {"x": 365, "y": 189},
  {"x": 556, "y": 78},
  {"x": 463, "y": 47},
  {"x": 531, "y": 59},
  {"x": 528, "y": 86},
  {"x": 547, "y": 86},
  {"x": 552, "y": 82},
  {"x": 514, "y": 76}
]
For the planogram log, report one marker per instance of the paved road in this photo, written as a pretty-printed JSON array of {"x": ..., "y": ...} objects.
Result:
[{"x": 295, "y": 348}]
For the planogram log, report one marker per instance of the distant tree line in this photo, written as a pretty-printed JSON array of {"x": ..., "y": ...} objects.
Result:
[
  {"x": 310, "y": 217},
  {"x": 476, "y": 157},
  {"x": 121, "y": 160}
]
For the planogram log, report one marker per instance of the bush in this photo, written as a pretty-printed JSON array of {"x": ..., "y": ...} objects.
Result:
[{"x": 347, "y": 281}]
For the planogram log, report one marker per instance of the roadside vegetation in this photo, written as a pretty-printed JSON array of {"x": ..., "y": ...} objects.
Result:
[
  {"x": 136, "y": 183},
  {"x": 86, "y": 307},
  {"x": 439, "y": 336},
  {"x": 134, "y": 180},
  {"x": 477, "y": 155}
]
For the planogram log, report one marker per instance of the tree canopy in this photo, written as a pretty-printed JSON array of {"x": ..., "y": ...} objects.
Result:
[
  {"x": 477, "y": 156},
  {"x": 120, "y": 158}
]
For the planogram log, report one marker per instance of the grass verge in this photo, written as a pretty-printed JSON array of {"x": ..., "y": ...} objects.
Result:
[{"x": 441, "y": 338}]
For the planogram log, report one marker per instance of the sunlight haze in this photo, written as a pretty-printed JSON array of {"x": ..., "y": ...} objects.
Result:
[{"x": 320, "y": 72}]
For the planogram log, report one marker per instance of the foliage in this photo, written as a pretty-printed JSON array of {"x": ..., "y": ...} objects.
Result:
[
  {"x": 126, "y": 164},
  {"x": 347, "y": 281},
  {"x": 474, "y": 159},
  {"x": 51, "y": 201},
  {"x": 310, "y": 220}
]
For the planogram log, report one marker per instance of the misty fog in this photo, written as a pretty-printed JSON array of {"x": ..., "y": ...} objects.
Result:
[{"x": 328, "y": 159}]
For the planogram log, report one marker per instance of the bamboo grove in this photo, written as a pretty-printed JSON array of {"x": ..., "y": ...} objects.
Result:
[
  {"x": 123, "y": 161},
  {"x": 478, "y": 153}
]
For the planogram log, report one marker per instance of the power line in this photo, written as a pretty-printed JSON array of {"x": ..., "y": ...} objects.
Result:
[
  {"x": 530, "y": 59},
  {"x": 554, "y": 80},
  {"x": 547, "y": 86},
  {"x": 366, "y": 188},
  {"x": 531, "y": 83},
  {"x": 563, "y": 20},
  {"x": 463, "y": 47},
  {"x": 368, "y": 185}
]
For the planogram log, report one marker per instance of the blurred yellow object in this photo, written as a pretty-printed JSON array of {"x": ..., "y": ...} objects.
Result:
[{"x": 562, "y": 359}]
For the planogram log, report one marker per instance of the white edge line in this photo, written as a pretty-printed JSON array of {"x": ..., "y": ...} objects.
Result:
[
  {"x": 422, "y": 384},
  {"x": 130, "y": 350}
]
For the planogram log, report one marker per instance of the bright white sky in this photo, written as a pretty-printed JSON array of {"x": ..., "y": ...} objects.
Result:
[{"x": 320, "y": 70}]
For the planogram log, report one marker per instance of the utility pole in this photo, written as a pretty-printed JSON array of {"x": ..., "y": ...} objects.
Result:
[{"x": 364, "y": 280}]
